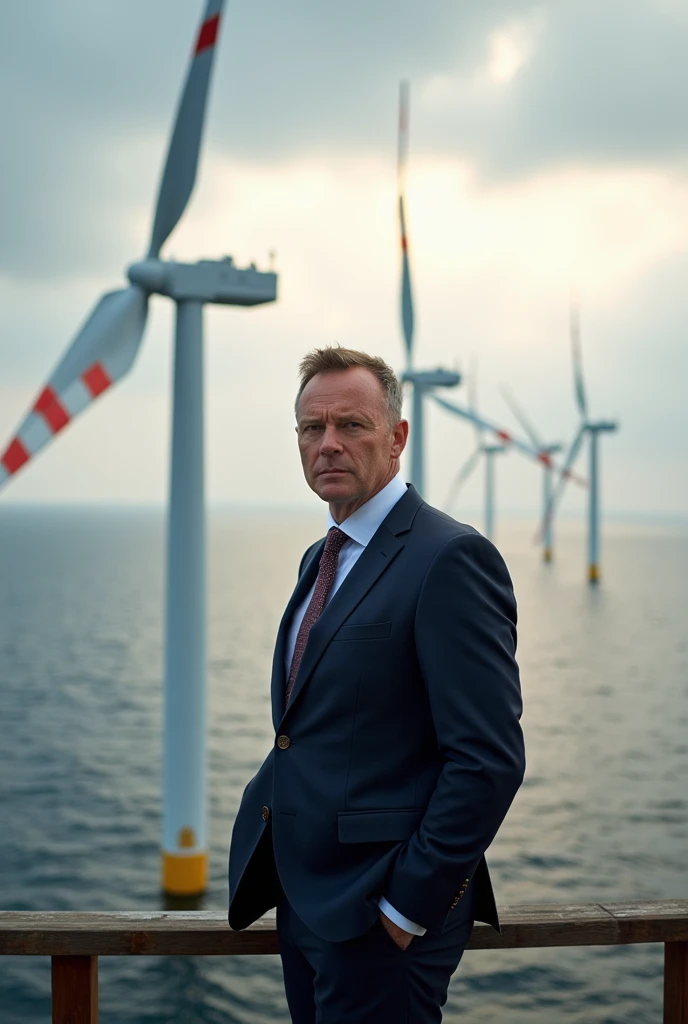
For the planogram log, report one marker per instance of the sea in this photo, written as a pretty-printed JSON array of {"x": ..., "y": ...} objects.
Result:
[{"x": 602, "y": 815}]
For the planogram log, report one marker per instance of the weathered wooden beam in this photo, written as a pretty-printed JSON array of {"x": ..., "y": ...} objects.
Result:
[
  {"x": 75, "y": 989},
  {"x": 181, "y": 933},
  {"x": 569, "y": 924},
  {"x": 676, "y": 983},
  {"x": 205, "y": 933},
  {"x": 650, "y": 921}
]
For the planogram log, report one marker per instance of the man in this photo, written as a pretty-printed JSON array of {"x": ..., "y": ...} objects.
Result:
[{"x": 396, "y": 706}]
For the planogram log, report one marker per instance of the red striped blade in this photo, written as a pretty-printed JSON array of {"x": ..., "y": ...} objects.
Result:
[
  {"x": 407, "y": 314},
  {"x": 181, "y": 165},
  {"x": 506, "y": 438},
  {"x": 101, "y": 354}
]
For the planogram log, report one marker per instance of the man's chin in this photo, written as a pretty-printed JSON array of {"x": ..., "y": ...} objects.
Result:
[{"x": 335, "y": 487}]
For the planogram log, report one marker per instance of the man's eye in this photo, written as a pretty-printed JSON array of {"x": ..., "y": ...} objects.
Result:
[
  {"x": 310, "y": 427},
  {"x": 353, "y": 423}
]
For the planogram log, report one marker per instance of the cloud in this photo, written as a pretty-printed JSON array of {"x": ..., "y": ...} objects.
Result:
[
  {"x": 601, "y": 83},
  {"x": 94, "y": 88},
  {"x": 509, "y": 86}
]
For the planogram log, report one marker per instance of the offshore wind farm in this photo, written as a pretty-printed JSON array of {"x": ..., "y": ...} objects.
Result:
[{"x": 146, "y": 557}]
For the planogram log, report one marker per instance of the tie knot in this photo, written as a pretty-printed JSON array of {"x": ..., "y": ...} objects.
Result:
[{"x": 335, "y": 541}]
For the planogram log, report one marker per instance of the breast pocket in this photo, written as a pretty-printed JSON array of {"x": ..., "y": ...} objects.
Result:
[{"x": 365, "y": 631}]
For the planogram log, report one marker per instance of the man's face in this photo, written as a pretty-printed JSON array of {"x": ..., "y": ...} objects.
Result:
[{"x": 349, "y": 451}]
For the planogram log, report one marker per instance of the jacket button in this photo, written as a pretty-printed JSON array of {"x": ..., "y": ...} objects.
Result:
[
  {"x": 283, "y": 742},
  {"x": 265, "y": 813}
]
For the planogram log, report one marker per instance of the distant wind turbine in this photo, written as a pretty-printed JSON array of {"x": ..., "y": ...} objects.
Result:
[
  {"x": 503, "y": 439},
  {"x": 422, "y": 381},
  {"x": 547, "y": 468},
  {"x": 592, "y": 428},
  {"x": 483, "y": 450}
]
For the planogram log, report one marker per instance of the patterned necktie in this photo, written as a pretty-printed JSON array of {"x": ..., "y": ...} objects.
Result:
[{"x": 323, "y": 585}]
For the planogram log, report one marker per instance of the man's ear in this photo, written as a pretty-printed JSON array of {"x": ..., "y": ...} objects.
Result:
[{"x": 399, "y": 438}]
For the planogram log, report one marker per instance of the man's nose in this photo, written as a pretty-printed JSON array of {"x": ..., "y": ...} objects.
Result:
[{"x": 330, "y": 443}]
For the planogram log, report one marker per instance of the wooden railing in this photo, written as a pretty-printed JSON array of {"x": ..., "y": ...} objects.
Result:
[{"x": 75, "y": 941}]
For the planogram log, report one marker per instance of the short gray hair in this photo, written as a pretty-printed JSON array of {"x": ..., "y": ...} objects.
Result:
[{"x": 334, "y": 358}]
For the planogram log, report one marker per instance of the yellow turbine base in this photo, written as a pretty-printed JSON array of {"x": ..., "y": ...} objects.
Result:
[
  {"x": 184, "y": 874},
  {"x": 547, "y": 554},
  {"x": 594, "y": 573}
]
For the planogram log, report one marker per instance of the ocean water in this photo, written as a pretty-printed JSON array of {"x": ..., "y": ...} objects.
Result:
[{"x": 602, "y": 816}]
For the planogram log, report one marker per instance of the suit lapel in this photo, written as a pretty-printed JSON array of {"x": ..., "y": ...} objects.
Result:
[
  {"x": 279, "y": 682},
  {"x": 381, "y": 552},
  {"x": 378, "y": 555}
]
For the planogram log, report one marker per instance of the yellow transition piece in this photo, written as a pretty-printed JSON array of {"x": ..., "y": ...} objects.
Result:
[{"x": 184, "y": 874}]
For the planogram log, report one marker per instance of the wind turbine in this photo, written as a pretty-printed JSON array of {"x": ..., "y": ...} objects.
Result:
[
  {"x": 422, "y": 381},
  {"x": 593, "y": 428},
  {"x": 547, "y": 468},
  {"x": 488, "y": 452},
  {"x": 103, "y": 351},
  {"x": 504, "y": 439}
]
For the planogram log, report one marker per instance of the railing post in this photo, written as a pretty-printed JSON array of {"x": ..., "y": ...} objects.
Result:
[
  {"x": 676, "y": 983},
  {"x": 75, "y": 989}
]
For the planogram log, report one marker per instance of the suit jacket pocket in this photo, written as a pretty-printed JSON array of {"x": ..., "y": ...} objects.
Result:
[
  {"x": 394, "y": 825},
  {"x": 366, "y": 631}
]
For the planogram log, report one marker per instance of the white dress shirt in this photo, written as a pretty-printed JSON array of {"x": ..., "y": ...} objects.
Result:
[{"x": 360, "y": 528}]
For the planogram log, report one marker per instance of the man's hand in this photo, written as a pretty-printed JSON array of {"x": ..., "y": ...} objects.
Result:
[{"x": 397, "y": 934}]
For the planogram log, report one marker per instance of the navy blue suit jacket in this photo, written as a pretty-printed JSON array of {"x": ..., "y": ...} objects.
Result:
[{"x": 401, "y": 749}]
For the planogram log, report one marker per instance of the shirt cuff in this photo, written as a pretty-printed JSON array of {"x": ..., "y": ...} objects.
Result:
[{"x": 399, "y": 919}]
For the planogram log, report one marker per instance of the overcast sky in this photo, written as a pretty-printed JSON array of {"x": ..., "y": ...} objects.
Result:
[{"x": 548, "y": 149}]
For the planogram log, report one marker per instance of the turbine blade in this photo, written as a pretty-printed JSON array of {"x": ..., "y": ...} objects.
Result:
[
  {"x": 563, "y": 479},
  {"x": 461, "y": 477},
  {"x": 102, "y": 352},
  {"x": 579, "y": 383},
  {"x": 407, "y": 317},
  {"x": 505, "y": 437},
  {"x": 181, "y": 165},
  {"x": 520, "y": 416},
  {"x": 487, "y": 425},
  {"x": 402, "y": 153},
  {"x": 472, "y": 391}
]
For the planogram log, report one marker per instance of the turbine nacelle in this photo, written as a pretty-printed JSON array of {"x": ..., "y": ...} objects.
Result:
[
  {"x": 431, "y": 378},
  {"x": 602, "y": 427},
  {"x": 214, "y": 281}
]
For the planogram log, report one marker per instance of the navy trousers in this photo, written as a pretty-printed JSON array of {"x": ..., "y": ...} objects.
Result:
[{"x": 369, "y": 979}]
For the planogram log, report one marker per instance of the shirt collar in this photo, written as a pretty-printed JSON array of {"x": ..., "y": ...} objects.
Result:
[{"x": 363, "y": 523}]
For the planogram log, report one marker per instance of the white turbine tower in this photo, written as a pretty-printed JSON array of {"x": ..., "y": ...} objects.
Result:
[
  {"x": 422, "y": 381},
  {"x": 593, "y": 428},
  {"x": 103, "y": 351},
  {"x": 547, "y": 469}
]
